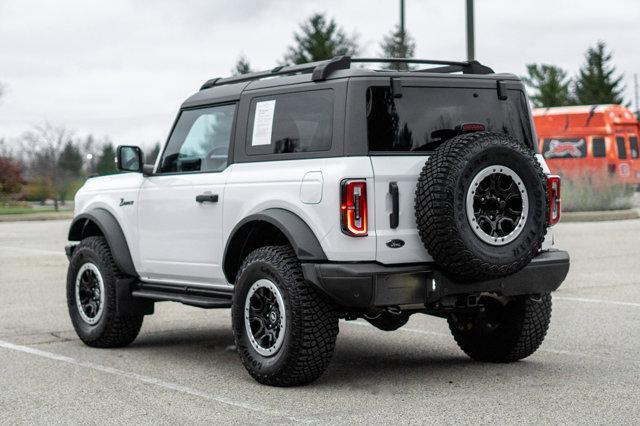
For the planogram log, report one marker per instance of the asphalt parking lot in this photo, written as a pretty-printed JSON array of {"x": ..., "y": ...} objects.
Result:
[{"x": 183, "y": 366}]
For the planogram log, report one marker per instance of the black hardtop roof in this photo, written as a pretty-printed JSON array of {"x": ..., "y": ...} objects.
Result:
[{"x": 230, "y": 88}]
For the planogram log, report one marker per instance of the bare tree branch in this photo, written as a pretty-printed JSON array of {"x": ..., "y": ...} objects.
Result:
[{"x": 41, "y": 148}]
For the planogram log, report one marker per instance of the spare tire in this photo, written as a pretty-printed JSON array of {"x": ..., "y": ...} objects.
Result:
[{"x": 481, "y": 206}]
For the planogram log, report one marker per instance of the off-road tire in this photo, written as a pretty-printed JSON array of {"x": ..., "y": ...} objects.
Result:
[
  {"x": 312, "y": 320},
  {"x": 519, "y": 334},
  {"x": 112, "y": 330},
  {"x": 387, "y": 321},
  {"x": 440, "y": 206}
]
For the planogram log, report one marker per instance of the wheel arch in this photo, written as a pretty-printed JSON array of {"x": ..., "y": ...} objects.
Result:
[
  {"x": 271, "y": 226},
  {"x": 99, "y": 222}
]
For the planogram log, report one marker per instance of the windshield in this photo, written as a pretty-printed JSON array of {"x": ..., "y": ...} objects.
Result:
[{"x": 423, "y": 117}]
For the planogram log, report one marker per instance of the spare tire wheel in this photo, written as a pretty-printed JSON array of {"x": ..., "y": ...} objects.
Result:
[{"x": 481, "y": 206}]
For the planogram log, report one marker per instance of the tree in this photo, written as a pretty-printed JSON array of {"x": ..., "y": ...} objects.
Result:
[
  {"x": 597, "y": 81},
  {"x": 107, "y": 162},
  {"x": 550, "y": 84},
  {"x": 398, "y": 44},
  {"x": 11, "y": 180},
  {"x": 42, "y": 147},
  {"x": 89, "y": 153},
  {"x": 318, "y": 40},
  {"x": 153, "y": 154},
  {"x": 70, "y": 165},
  {"x": 242, "y": 66}
]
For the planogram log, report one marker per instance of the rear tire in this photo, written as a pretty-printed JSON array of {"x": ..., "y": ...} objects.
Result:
[
  {"x": 504, "y": 333},
  {"x": 91, "y": 297},
  {"x": 285, "y": 331}
]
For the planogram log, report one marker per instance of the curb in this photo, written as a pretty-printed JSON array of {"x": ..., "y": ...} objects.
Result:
[
  {"x": 29, "y": 217},
  {"x": 599, "y": 216}
]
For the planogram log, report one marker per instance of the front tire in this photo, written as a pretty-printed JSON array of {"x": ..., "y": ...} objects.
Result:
[
  {"x": 91, "y": 297},
  {"x": 507, "y": 331},
  {"x": 285, "y": 331}
]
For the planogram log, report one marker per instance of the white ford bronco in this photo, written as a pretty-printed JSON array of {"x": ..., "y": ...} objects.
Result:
[{"x": 309, "y": 193}]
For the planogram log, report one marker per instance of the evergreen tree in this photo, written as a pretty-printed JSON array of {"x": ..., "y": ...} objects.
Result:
[
  {"x": 107, "y": 161},
  {"x": 319, "y": 39},
  {"x": 398, "y": 44},
  {"x": 70, "y": 166},
  {"x": 550, "y": 84},
  {"x": 598, "y": 82},
  {"x": 242, "y": 66},
  {"x": 70, "y": 159},
  {"x": 89, "y": 149}
]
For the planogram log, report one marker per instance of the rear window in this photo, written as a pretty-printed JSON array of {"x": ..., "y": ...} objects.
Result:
[
  {"x": 424, "y": 116},
  {"x": 291, "y": 122},
  {"x": 598, "y": 147},
  {"x": 633, "y": 144},
  {"x": 622, "y": 152},
  {"x": 564, "y": 148}
]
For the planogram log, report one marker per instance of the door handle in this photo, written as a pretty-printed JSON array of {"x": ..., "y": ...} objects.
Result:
[
  {"x": 394, "y": 216},
  {"x": 207, "y": 198}
]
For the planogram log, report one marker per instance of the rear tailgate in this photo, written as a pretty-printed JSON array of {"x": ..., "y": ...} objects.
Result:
[{"x": 399, "y": 244}]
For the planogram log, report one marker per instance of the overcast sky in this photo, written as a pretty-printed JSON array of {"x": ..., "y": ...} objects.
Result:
[{"x": 122, "y": 67}]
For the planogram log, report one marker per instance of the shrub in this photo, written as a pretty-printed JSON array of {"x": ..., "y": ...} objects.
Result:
[{"x": 583, "y": 194}]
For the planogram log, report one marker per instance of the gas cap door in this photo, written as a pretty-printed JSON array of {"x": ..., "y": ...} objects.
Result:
[{"x": 311, "y": 188}]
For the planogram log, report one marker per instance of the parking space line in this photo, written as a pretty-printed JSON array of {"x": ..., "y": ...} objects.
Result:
[
  {"x": 151, "y": 381},
  {"x": 32, "y": 250},
  {"x": 587, "y": 300}
]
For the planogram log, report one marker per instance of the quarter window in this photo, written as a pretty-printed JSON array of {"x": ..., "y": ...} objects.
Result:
[
  {"x": 622, "y": 152},
  {"x": 598, "y": 148},
  {"x": 292, "y": 122},
  {"x": 633, "y": 144},
  {"x": 200, "y": 141}
]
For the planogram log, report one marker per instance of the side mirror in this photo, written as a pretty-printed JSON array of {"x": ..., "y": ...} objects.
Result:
[{"x": 129, "y": 158}]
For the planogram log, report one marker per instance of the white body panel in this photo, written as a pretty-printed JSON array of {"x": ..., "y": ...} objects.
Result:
[
  {"x": 107, "y": 192},
  {"x": 179, "y": 237},
  {"x": 173, "y": 238},
  {"x": 253, "y": 187},
  {"x": 404, "y": 170}
]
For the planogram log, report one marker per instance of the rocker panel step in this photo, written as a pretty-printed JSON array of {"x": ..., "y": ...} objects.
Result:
[{"x": 206, "y": 302}]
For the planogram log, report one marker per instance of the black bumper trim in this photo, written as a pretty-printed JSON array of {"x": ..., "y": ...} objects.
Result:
[{"x": 366, "y": 285}]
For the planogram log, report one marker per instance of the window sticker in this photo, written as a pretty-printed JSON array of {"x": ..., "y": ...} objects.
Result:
[{"x": 263, "y": 123}]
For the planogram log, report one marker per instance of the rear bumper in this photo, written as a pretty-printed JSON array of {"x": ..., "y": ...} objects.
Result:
[{"x": 366, "y": 285}]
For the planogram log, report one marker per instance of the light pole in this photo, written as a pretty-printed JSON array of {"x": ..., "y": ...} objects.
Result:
[
  {"x": 402, "y": 17},
  {"x": 471, "y": 49}
]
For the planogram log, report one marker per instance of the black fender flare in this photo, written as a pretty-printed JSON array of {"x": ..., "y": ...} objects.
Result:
[
  {"x": 304, "y": 242},
  {"x": 111, "y": 230}
]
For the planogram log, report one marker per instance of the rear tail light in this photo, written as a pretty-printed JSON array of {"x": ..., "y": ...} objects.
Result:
[
  {"x": 353, "y": 207},
  {"x": 553, "y": 188}
]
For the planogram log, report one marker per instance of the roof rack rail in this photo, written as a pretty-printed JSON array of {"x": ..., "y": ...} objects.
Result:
[
  {"x": 467, "y": 67},
  {"x": 322, "y": 69}
]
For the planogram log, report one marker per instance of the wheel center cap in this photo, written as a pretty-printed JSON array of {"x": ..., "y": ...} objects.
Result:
[{"x": 273, "y": 317}]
